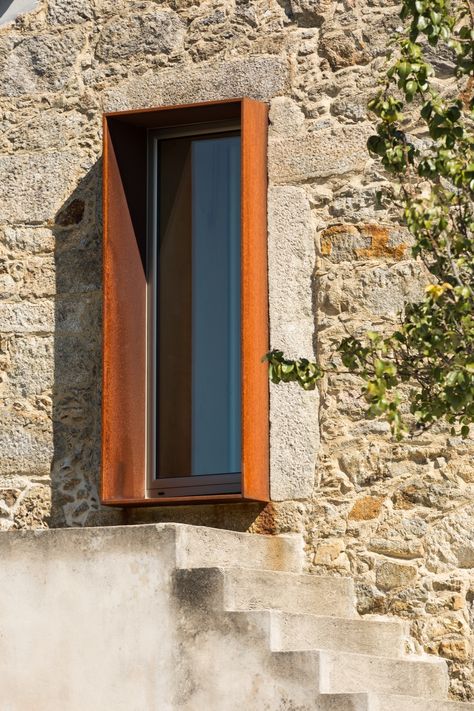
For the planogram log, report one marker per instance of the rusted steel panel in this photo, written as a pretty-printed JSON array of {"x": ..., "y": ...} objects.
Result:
[
  {"x": 124, "y": 329},
  {"x": 124, "y": 317},
  {"x": 255, "y": 395}
]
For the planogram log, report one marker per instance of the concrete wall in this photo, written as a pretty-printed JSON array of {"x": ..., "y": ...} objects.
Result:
[
  {"x": 99, "y": 619},
  {"x": 88, "y": 620},
  {"x": 398, "y": 517}
]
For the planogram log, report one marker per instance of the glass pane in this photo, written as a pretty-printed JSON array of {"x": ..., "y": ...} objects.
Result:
[
  {"x": 198, "y": 293},
  {"x": 216, "y": 306}
]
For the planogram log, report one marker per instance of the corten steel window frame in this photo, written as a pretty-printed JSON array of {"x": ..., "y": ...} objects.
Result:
[{"x": 125, "y": 351}]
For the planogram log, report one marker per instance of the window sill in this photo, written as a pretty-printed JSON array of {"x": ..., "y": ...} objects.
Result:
[{"x": 181, "y": 500}]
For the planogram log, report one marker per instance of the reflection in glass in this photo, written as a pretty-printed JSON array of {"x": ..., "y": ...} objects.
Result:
[{"x": 198, "y": 307}]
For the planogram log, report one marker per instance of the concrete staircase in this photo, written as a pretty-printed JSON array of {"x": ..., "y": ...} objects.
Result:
[
  {"x": 180, "y": 618},
  {"x": 320, "y": 653}
]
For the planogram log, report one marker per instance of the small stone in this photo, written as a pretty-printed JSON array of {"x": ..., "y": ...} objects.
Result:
[
  {"x": 10, "y": 496},
  {"x": 38, "y": 63},
  {"x": 329, "y": 553},
  {"x": 370, "y": 601},
  {"x": 394, "y": 575},
  {"x": 47, "y": 176},
  {"x": 311, "y": 13},
  {"x": 327, "y": 152},
  {"x": 150, "y": 33},
  {"x": 451, "y": 584},
  {"x": 286, "y": 117},
  {"x": 5, "y": 511},
  {"x": 458, "y": 650},
  {"x": 34, "y": 508},
  {"x": 343, "y": 50},
  {"x": 397, "y": 547},
  {"x": 408, "y": 602},
  {"x": 68, "y": 12},
  {"x": 366, "y": 508},
  {"x": 365, "y": 241}
]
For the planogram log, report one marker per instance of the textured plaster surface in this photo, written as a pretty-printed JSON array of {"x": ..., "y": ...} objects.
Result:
[{"x": 398, "y": 517}]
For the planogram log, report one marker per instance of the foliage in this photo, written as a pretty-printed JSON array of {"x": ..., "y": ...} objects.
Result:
[{"x": 432, "y": 352}]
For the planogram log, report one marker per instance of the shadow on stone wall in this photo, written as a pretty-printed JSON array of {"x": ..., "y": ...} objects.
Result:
[
  {"x": 77, "y": 358},
  {"x": 77, "y": 383}
]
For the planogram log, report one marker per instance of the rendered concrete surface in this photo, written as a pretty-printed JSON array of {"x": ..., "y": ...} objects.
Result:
[
  {"x": 88, "y": 620},
  {"x": 169, "y": 617}
]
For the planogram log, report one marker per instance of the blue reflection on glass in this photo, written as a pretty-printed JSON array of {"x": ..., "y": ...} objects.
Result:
[{"x": 216, "y": 401}]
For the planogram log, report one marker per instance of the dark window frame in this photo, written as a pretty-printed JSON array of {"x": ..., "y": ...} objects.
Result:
[{"x": 124, "y": 478}]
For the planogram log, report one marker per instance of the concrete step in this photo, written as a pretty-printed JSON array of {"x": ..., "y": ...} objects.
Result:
[
  {"x": 347, "y": 673},
  {"x": 299, "y": 633},
  {"x": 361, "y": 636},
  {"x": 312, "y": 594},
  {"x": 343, "y": 702},
  {"x": 244, "y": 589},
  {"x": 202, "y": 547},
  {"x": 386, "y": 702},
  {"x": 381, "y": 702}
]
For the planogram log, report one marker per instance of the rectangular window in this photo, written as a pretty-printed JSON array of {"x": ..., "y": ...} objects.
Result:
[
  {"x": 190, "y": 223},
  {"x": 194, "y": 402}
]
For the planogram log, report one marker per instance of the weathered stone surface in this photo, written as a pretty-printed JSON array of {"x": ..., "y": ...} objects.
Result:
[
  {"x": 33, "y": 365},
  {"x": 399, "y": 537},
  {"x": 332, "y": 555},
  {"x": 25, "y": 441},
  {"x": 50, "y": 177},
  {"x": 257, "y": 77},
  {"x": 311, "y": 13},
  {"x": 294, "y": 442},
  {"x": 286, "y": 117},
  {"x": 26, "y": 240},
  {"x": 27, "y": 317},
  {"x": 37, "y": 63},
  {"x": 379, "y": 290},
  {"x": 367, "y": 241},
  {"x": 397, "y": 548},
  {"x": 367, "y": 508},
  {"x": 394, "y": 575},
  {"x": 33, "y": 508},
  {"x": 291, "y": 255},
  {"x": 77, "y": 271},
  {"x": 65, "y": 12},
  {"x": 321, "y": 154},
  {"x": 370, "y": 601},
  {"x": 343, "y": 50},
  {"x": 46, "y": 130},
  {"x": 293, "y": 412},
  {"x": 76, "y": 314},
  {"x": 451, "y": 542},
  {"x": 149, "y": 33}
]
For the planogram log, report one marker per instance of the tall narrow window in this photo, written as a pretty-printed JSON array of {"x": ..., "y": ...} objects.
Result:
[
  {"x": 194, "y": 394},
  {"x": 185, "y": 394}
]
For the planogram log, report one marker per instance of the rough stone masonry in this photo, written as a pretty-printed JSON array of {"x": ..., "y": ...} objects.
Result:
[{"x": 398, "y": 517}]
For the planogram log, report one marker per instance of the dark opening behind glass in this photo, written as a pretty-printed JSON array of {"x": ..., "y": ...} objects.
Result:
[{"x": 198, "y": 307}]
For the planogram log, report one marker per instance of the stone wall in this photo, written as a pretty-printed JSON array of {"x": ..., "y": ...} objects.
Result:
[{"x": 398, "y": 517}]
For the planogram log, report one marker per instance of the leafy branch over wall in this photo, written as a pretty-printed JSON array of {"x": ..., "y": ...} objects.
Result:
[{"x": 432, "y": 352}]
